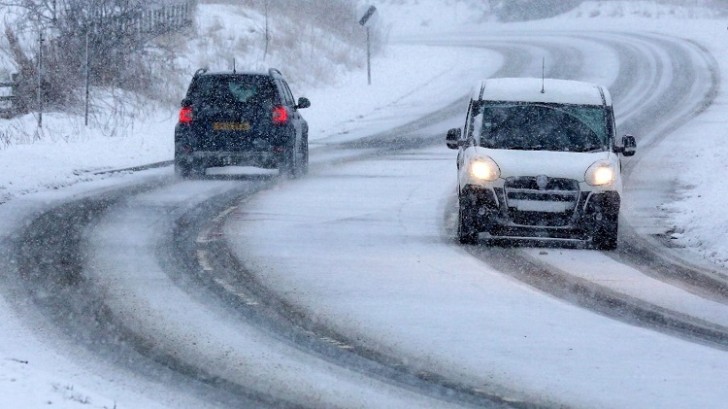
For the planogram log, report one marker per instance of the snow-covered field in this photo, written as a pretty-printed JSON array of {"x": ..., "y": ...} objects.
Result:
[{"x": 66, "y": 154}]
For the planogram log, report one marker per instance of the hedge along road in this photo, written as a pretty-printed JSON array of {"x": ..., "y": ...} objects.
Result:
[{"x": 153, "y": 307}]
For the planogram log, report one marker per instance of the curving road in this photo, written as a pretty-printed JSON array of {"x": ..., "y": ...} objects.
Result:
[{"x": 245, "y": 293}]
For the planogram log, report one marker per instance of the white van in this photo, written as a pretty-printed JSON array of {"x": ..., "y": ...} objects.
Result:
[{"x": 538, "y": 159}]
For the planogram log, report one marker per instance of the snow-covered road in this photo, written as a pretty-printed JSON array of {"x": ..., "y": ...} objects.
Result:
[
  {"x": 367, "y": 249},
  {"x": 347, "y": 289}
]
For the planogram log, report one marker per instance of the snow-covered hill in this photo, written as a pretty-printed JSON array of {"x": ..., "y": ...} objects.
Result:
[{"x": 645, "y": 9}]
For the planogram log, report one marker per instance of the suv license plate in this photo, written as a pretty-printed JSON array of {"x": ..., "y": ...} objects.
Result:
[{"x": 230, "y": 126}]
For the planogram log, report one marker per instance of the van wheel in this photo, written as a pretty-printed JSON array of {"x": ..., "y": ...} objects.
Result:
[
  {"x": 467, "y": 232},
  {"x": 605, "y": 234}
]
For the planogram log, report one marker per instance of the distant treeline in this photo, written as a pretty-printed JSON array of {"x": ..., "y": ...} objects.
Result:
[{"x": 523, "y": 10}]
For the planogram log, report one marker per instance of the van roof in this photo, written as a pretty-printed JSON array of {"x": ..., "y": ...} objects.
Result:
[{"x": 529, "y": 90}]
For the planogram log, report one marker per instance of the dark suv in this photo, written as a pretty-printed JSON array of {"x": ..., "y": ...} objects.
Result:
[{"x": 241, "y": 119}]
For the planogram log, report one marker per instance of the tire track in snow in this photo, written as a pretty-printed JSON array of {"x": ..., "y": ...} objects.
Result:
[
  {"x": 80, "y": 310},
  {"x": 656, "y": 108}
]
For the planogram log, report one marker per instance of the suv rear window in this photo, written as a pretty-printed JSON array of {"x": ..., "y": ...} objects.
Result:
[{"x": 233, "y": 89}]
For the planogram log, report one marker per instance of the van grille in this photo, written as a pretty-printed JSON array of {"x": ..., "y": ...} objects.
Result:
[{"x": 541, "y": 201}]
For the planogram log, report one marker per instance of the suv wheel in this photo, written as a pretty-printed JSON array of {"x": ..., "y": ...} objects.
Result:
[
  {"x": 605, "y": 234},
  {"x": 467, "y": 233},
  {"x": 304, "y": 161},
  {"x": 181, "y": 169},
  {"x": 289, "y": 163}
]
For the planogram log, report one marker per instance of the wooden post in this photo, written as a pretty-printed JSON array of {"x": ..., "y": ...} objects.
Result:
[
  {"x": 369, "y": 57},
  {"x": 40, "y": 80},
  {"x": 88, "y": 80}
]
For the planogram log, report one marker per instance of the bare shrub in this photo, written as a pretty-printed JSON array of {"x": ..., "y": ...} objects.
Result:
[
  {"x": 118, "y": 34},
  {"x": 4, "y": 139},
  {"x": 310, "y": 40}
]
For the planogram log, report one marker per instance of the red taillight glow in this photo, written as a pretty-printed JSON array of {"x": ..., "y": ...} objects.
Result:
[
  {"x": 280, "y": 115},
  {"x": 185, "y": 115}
]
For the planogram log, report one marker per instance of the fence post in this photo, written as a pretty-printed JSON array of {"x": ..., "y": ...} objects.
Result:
[
  {"x": 88, "y": 80},
  {"x": 40, "y": 79}
]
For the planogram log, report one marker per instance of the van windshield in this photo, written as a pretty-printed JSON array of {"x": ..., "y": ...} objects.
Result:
[{"x": 551, "y": 127}]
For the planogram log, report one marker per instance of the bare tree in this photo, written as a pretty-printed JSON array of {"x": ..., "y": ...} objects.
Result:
[{"x": 117, "y": 33}]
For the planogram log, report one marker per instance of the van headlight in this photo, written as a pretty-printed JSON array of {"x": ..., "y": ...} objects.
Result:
[
  {"x": 484, "y": 169},
  {"x": 600, "y": 173}
]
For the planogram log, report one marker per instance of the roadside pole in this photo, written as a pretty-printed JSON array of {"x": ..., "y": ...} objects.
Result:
[
  {"x": 369, "y": 57},
  {"x": 88, "y": 80},
  {"x": 363, "y": 22},
  {"x": 40, "y": 80}
]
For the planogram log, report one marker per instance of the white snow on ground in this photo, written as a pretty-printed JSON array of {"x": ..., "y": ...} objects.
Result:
[
  {"x": 381, "y": 272},
  {"x": 402, "y": 90},
  {"x": 417, "y": 16},
  {"x": 65, "y": 153},
  {"x": 397, "y": 247},
  {"x": 32, "y": 375}
]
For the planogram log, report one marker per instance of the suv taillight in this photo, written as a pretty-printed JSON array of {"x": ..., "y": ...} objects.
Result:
[
  {"x": 280, "y": 115},
  {"x": 185, "y": 115}
]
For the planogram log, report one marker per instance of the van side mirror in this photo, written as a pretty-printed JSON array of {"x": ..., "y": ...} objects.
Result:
[
  {"x": 629, "y": 145},
  {"x": 452, "y": 140}
]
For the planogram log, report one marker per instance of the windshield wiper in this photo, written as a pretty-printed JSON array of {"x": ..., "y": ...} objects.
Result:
[
  {"x": 593, "y": 149},
  {"x": 527, "y": 148}
]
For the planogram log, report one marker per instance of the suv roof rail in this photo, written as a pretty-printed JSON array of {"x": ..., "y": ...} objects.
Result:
[
  {"x": 275, "y": 71},
  {"x": 200, "y": 71}
]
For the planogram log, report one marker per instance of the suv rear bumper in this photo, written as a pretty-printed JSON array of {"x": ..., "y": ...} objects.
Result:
[
  {"x": 254, "y": 149},
  {"x": 206, "y": 159}
]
